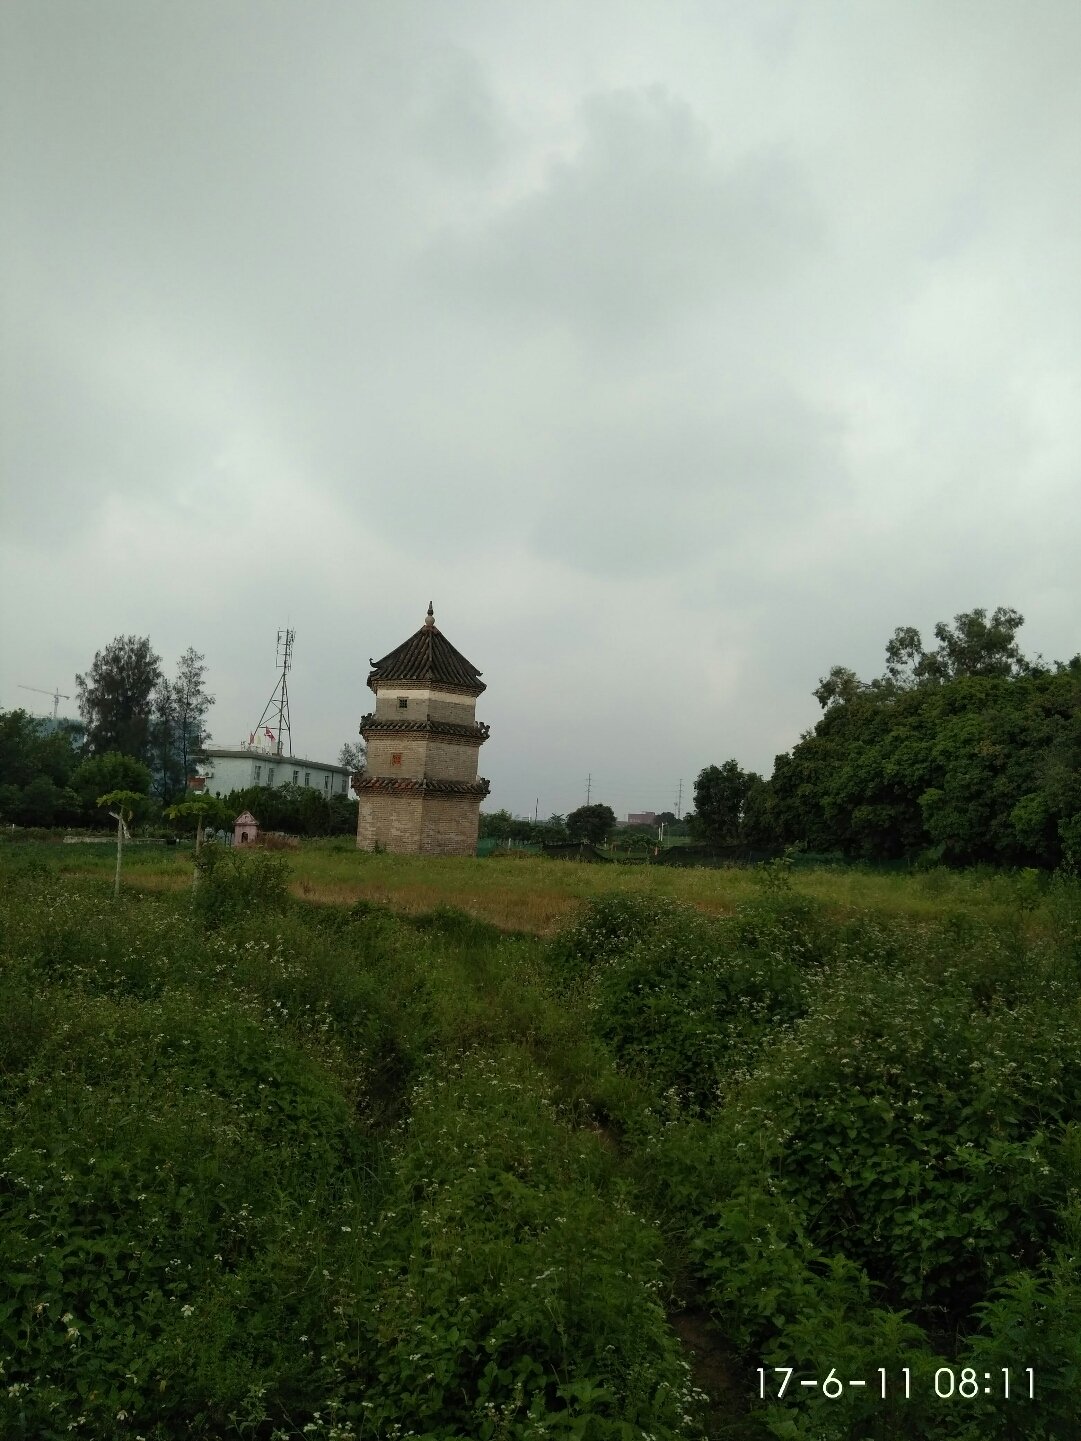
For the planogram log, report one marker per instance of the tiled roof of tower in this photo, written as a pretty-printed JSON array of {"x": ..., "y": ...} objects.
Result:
[{"x": 428, "y": 657}]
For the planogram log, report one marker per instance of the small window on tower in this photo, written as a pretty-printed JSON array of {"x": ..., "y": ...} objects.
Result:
[
  {"x": 396, "y": 758},
  {"x": 403, "y": 702}
]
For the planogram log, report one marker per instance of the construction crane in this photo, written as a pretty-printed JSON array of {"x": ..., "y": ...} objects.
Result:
[{"x": 57, "y": 696}]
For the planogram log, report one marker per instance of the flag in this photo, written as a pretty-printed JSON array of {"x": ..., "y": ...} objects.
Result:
[
  {"x": 251, "y": 739},
  {"x": 269, "y": 733}
]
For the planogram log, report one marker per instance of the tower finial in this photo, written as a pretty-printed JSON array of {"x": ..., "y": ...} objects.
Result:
[{"x": 429, "y": 619}]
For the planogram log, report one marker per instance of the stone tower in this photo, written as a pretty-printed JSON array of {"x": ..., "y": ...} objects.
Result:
[{"x": 419, "y": 792}]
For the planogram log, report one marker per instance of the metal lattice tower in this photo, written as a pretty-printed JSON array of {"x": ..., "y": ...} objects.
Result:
[{"x": 277, "y": 707}]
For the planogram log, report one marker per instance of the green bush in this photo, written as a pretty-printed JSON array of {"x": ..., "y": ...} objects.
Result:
[{"x": 232, "y": 882}]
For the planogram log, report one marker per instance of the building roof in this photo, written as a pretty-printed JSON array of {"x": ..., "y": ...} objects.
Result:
[
  {"x": 429, "y": 658},
  {"x": 249, "y": 753}
]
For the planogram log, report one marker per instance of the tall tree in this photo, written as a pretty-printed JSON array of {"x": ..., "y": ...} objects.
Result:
[
  {"x": 179, "y": 732},
  {"x": 116, "y": 697},
  {"x": 192, "y": 704},
  {"x": 720, "y": 795},
  {"x": 591, "y": 823},
  {"x": 168, "y": 776},
  {"x": 352, "y": 755},
  {"x": 973, "y": 645},
  {"x": 109, "y": 772},
  {"x": 968, "y": 753}
]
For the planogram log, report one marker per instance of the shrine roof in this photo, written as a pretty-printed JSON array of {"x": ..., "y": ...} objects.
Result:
[{"x": 428, "y": 658}]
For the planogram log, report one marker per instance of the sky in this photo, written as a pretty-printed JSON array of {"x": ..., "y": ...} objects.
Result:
[{"x": 677, "y": 352}]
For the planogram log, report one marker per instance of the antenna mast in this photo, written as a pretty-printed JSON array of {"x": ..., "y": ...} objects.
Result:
[{"x": 277, "y": 707}]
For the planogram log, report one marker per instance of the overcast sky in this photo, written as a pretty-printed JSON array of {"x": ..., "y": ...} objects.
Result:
[{"x": 676, "y": 351}]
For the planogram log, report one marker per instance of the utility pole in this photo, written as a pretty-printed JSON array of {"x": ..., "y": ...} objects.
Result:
[
  {"x": 679, "y": 802},
  {"x": 536, "y": 810},
  {"x": 589, "y": 783}
]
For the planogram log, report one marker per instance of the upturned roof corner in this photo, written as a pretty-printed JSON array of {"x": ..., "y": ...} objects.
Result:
[{"x": 427, "y": 658}]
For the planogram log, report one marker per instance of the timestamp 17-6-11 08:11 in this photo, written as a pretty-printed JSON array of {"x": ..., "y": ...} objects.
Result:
[{"x": 965, "y": 1383}]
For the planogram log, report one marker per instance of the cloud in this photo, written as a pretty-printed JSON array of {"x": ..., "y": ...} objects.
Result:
[
  {"x": 637, "y": 228},
  {"x": 677, "y": 352}
]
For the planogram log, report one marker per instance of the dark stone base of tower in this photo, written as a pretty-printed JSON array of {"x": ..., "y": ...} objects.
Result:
[{"x": 419, "y": 793}]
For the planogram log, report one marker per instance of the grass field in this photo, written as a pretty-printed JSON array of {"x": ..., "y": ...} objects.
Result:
[
  {"x": 343, "y": 1148},
  {"x": 536, "y": 894}
]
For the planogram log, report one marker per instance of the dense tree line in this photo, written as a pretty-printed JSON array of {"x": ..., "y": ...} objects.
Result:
[
  {"x": 141, "y": 732},
  {"x": 295, "y": 810},
  {"x": 128, "y": 706},
  {"x": 47, "y": 779},
  {"x": 593, "y": 823},
  {"x": 502, "y": 826},
  {"x": 966, "y": 753}
]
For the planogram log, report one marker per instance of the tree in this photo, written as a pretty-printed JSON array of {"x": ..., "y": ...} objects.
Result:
[
  {"x": 201, "y": 812},
  {"x": 973, "y": 645},
  {"x": 122, "y": 806},
  {"x": 109, "y": 772},
  {"x": 36, "y": 762},
  {"x": 720, "y": 794},
  {"x": 192, "y": 704},
  {"x": 179, "y": 726},
  {"x": 168, "y": 778},
  {"x": 839, "y": 686},
  {"x": 204, "y": 811},
  {"x": 116, "y": 697},
  {"x": 968, "y": 753},
  {"x": 978, "y": 646},
  {"x": 353, "y": 757},
  {"x": 591, "y": 823}
]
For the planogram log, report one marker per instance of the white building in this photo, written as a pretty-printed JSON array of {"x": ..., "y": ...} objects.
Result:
[{"x": 236, "y": 768}]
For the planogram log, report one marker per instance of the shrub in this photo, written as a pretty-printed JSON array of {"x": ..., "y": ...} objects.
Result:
[{"x": 232, "y": 882}]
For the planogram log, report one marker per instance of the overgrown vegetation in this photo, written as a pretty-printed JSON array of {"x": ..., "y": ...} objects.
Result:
[
  {"x": 962, "y": 755},
  {"x": 280, "y": 1170}
]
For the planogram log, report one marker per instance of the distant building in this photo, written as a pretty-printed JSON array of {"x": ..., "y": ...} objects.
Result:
[
  {"x": 237, "y": 768},
  {"x": 642, "y": 818},
  {"x": 419, "y": 792}
]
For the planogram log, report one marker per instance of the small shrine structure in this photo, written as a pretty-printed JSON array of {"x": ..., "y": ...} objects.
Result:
[
  {"x": 245, "y": 829},
  {"x": 419, "y": 793}
]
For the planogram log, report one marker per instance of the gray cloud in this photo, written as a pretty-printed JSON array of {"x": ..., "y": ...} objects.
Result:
[{"x": 677, "y": 353}]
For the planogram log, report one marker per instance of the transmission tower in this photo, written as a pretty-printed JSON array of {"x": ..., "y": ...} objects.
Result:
[{"x": 277, "y": 707}]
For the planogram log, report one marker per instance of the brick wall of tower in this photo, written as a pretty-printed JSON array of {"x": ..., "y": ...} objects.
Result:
[
  {"x": 424, "y": 704},
  {"x": 412, "y": 749},
  {"x": 449, "y": 826},
  {"x": 429, "y": 825},
  {"x": 392, "y": 822},
  {"x": 436, "y": 759}
]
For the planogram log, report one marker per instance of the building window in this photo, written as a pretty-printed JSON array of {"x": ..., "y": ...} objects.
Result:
[
  {"x": 403, "y": 702},
  {"x": 258, "y": 774},
  {"x": 296, "y": 778},
  {"x": 307, "y": 778},
  {"x": 270, "y": 775},
  {"x": 396, "y": 758},
  {"x": 326, "y": 783},
  {"x": 343, "y": 785}
]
